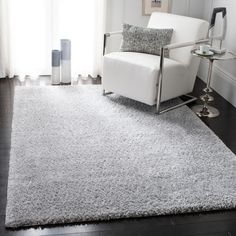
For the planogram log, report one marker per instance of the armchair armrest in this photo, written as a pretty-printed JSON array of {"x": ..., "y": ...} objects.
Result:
[
  {"x": 106, "y": 35},
  {"x": 161, "y": 71},
  {"x": 186, "y": 44}
]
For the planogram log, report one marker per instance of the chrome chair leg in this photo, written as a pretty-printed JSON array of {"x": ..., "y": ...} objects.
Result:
[
  {"x": 191, "y": 99},
  {"x": 159, "y": 89}
]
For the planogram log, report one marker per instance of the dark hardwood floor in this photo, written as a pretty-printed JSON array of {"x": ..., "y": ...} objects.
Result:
[{"x": 222, "y": 223}]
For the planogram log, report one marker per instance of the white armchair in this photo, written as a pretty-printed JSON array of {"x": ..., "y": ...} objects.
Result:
[{"x": 153, "y": 79}]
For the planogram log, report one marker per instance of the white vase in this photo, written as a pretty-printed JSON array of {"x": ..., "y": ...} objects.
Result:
[
  {"x": 56, "y": 69},
  {"x": 65, "y": 61}
]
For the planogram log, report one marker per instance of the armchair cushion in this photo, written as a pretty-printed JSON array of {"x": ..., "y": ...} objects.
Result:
[
  {"x": 134, "y": 75},
  {"x": 145, "y": 40}
]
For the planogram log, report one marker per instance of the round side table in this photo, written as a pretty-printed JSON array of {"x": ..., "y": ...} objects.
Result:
[{"x": 205, "y": 110}]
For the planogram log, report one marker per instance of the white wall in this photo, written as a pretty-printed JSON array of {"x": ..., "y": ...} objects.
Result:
[
  {"x": 130, "y": 11},
  {"x": 224, "y": 73}
]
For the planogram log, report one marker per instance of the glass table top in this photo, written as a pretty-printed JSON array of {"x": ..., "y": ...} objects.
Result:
[{"x": 225, "y": 56}]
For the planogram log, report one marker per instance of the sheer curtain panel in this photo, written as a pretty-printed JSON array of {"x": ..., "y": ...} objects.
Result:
[
  {"x": 30, "y": 29},
  {"x": 5, "y": 65}
]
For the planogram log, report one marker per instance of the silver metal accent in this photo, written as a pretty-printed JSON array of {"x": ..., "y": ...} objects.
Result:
[
  {"x": 159, "y": 81},
  {"x": 192, "y": 99},
  {"x": 186, "y": 44},
  {"x": 207, "y": 90},
  {"x": 106, "y": 35},
  {"x": 206, "y": 111},
  {"x": 104, "y": 44},
  {"x": 207, "y": 97},
  {"x": 161, "y": 75}
]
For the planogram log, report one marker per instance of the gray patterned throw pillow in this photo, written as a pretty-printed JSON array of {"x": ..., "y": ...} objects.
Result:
[{"x": 145, "y": 40}]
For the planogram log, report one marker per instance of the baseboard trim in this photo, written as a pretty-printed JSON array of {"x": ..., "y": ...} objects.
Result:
[{"x": 222, "y": 82}]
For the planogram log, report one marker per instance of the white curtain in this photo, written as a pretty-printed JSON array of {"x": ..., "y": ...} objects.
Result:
[
  {"x": 5, "y": 65},
  {"x": 30, "y": 29}
]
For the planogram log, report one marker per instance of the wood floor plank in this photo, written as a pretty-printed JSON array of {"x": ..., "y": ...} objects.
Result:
[
  {"x": 204, "y": 217},
  {"x": 213, "y": 227}
]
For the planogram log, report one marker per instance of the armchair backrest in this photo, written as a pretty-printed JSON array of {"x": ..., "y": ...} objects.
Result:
[{"x": 186, "y": 29}]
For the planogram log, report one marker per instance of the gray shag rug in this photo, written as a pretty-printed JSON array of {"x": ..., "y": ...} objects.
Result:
[{"x": 78, "y": 156}]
